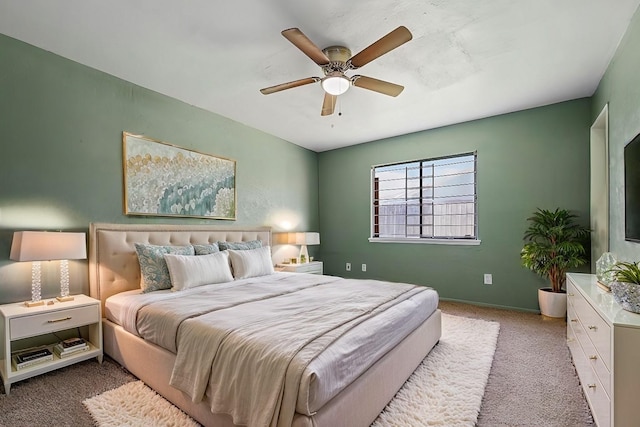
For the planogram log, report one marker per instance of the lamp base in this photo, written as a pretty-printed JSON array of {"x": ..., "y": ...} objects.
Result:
[
  {"x": 304, "y": 254},
  {"x": 65, "y": 299},
  {"x": 33, "y": 303}
]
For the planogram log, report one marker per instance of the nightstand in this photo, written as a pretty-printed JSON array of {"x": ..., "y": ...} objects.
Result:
[
  {"x": 312, "y": 267},
  {"x": 44, "y": 326}
]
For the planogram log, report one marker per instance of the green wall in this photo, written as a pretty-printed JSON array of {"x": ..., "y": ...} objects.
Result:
[
  {"x": 61, "y": 168},
  {"x": 620, "y": 88},
  {"x": 529, "y": 159},
  {"x": 61, "y": 129}
]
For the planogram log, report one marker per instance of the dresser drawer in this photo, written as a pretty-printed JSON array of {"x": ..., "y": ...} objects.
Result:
[
  {"x": 599, "y": 401},
  {"x": 572, "y": 340},
  {"x": 597, "y": 330},
  {"x": 38, "y": 324},
  {"x": 572, "y": 316},
  {"x": 593, "y": 358}
]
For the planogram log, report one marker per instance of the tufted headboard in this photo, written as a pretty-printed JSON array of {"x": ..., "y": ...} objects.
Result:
[{"x": 113, "y": 263}]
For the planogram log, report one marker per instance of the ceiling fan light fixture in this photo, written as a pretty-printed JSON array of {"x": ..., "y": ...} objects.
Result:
[
  {"x": 336, "y": 60},
  {"x": 336, "y": 84}
]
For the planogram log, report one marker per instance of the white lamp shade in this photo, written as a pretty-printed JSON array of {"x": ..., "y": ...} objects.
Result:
[
  {"x": 307, "y": 238},
  {"x": 335, "y": 85},
  {"x": 280, "y": 238},
  {"x": 47, "y": 246},
  {"x": 296, "y": 238}
]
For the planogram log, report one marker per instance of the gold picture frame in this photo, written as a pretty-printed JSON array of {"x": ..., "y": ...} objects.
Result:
[{"x": 161, "y": 179}]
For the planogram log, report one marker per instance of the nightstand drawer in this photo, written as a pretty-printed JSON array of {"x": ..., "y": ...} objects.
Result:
[
  {"x": 38, "y": 324},
  {"x": 311, "y": 267}
]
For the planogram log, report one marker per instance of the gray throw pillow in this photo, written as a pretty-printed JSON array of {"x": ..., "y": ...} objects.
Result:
[
  {"x": 153, "y": 267},
  {"x": 240, "y": 246}
]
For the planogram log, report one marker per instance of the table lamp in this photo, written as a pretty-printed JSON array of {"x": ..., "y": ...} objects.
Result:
[
  {"x": 304, "y": 239},
  {"x": 36, "y": 246}
]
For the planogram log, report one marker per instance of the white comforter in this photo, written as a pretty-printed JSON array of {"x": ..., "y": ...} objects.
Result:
[{"x": 255, "y": 345}]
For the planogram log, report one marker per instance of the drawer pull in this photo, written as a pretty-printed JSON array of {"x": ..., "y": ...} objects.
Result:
[
  {"x": 574, "y": 320},
  {"x": 591, "y": 386},
  {"x": 594, "y": 357},
  {"x": 570, "y": 294},
  {"x": 59, "y": 320},
  {"x": 593, "y": 328}
]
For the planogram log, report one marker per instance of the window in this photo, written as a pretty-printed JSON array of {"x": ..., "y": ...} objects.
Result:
[{"x": 425, "y": 199}]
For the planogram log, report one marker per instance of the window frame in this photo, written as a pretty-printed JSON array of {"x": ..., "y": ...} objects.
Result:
[{"x": 374, "y": 208}]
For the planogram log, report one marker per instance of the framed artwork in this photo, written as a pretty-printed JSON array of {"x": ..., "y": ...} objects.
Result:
[{"x": 161, "y": 179}]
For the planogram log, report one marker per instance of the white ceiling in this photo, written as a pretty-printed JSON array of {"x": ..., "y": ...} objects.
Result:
[{"x": 468, "y": 59}]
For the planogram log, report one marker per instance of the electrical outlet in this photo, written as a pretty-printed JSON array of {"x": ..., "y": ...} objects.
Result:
[
  {"x": 488, "y": 279},
  {"x": 364, "y": 267},
  {"x": 348, "y": 266}
]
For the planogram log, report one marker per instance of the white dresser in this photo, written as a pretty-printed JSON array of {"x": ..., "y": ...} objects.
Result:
[{"x": 604, "y": 341}]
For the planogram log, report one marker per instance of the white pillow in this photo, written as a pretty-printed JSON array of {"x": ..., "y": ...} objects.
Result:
[
  {"x": 251, "y": 263},
  {"x": 191, "y": 271}
]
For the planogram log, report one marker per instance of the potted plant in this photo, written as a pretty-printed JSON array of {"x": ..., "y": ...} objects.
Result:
[
  {"x": 626, "y": 287},
  {"x": 554, "y": 244}
]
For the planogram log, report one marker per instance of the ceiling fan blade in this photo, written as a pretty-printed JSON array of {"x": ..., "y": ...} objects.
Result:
[
  {"x": 329, "y": 104},
  {"x": 302, "y": 42},
  {"x": 395, "y": 38},
  {"x": 376, "y": 85},
  {"x": 283, "y": 86}
]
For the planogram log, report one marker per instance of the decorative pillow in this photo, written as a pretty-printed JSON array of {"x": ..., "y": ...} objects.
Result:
[
  {"x": 211, "y": 248},
  {"x": 240, "y": 246},
  {"x": 153, "y": 268},
  {"x": 191, "y": 271},
  {"x": 251, "y": 262}
]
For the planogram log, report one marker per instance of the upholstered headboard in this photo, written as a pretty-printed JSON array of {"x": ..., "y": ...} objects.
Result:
[{"x": 113, "y": 263}]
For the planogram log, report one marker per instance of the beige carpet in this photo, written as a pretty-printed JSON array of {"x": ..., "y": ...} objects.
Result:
[
  {"x": 532, "y": 382},
  {"x": 445, "y": 390}
]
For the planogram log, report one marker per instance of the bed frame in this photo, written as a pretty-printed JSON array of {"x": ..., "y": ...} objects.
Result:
[{"x": 114, "y": 268}]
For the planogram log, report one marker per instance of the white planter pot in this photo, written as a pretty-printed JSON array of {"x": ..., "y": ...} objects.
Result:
[{"x": 552, "y": 304}]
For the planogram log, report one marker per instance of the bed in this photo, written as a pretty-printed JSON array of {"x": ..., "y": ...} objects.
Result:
[{"x": 335, "y": 382}]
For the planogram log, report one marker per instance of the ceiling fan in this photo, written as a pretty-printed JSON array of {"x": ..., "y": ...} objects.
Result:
[{"x": 336, "y": 60}]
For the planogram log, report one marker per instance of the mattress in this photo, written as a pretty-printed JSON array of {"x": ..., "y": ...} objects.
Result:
[{"x": 339, "y": 364}]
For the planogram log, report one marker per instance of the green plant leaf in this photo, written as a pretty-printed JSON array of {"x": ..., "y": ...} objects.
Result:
[
  {"x": 628, "y": 272},
  {"x": 554, "y": 243}
]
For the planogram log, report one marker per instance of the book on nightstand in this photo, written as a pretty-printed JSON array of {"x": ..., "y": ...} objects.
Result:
[
  {"x": 71, "y": 346},
  {"x": 31, "y": 357},
  {"x": 72, "y": 343}
]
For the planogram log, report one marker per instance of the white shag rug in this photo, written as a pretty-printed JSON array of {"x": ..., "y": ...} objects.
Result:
[
  {"x": 445, "y": 390},
  {"x": 135, "y": 405}
]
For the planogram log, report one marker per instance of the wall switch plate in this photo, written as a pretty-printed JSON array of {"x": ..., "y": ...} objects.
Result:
[
  {"x": 488, "y": 279},
  {"x": 348, "y": 266},
  {"x": 364, "y": 267}
]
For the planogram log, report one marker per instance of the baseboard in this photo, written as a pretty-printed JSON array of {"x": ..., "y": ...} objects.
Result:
[{"x": 483, "y": 304}]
